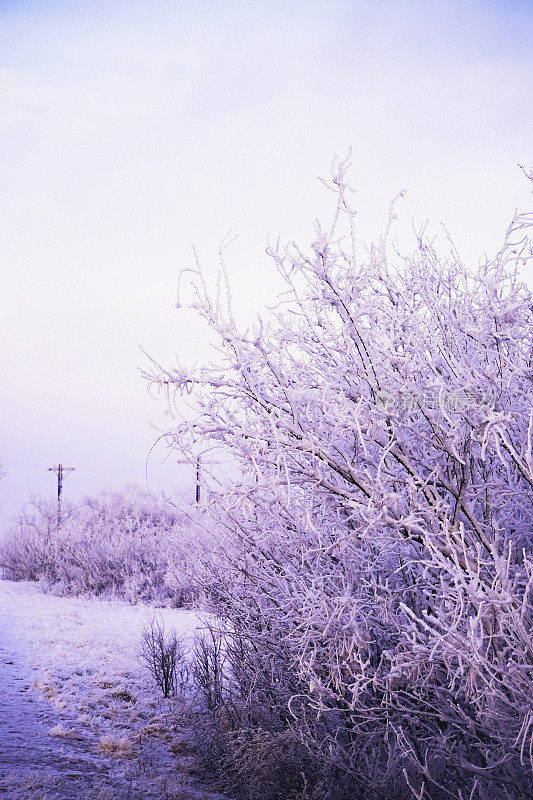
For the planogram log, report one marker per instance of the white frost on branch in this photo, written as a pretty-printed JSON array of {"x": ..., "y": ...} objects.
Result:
[{"x": 379, "y": 531}]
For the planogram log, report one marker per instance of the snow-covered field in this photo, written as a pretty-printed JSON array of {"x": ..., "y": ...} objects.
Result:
[{"x": 79, "y": 714}]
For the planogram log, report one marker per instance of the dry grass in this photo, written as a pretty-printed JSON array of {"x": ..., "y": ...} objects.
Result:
[
  {"x": 61, "y": 732},
  {"x": 115, "y": 745}
]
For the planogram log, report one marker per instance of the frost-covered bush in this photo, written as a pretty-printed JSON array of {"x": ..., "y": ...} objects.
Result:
[
  {"x": 126, "y": 544},
  {"x": 377, "y": 567},
  {"x": 164, "y": 654},
  {"x": 28, "y": 550},
  {"x": 243, "y": 723}
]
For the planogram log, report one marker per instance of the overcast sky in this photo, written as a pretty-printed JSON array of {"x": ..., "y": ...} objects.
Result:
[{"x": 130, "y": 130}]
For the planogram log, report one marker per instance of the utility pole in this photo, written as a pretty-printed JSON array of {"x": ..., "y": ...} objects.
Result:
[
  {"x": 59, "y": 470},
  {"x": 198, "y": 480},
  {"x": 198, "y": 462}
]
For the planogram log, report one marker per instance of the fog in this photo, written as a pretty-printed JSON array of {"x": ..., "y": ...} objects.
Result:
[{"x": 131, "y": 130}]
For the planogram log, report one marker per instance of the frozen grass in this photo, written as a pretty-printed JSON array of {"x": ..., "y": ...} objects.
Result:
[
  {"x": 102, "y": 698},
  {"x": 61, "y": 732},
  {"x": 115, "y": 745}
]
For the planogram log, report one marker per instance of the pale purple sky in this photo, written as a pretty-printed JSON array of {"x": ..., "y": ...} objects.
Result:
[{"x": 130, "y": 130}]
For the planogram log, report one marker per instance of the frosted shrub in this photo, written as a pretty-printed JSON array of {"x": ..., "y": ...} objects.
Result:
[
  {"x": 377, "y": 563},
  {"x": 29, "y": 550},
  {"x": 209, "y": 667},
  {"x": 164, "y": 655},
  {"x": 244, "y": 732},
  {"x": 125, "y": 544}
]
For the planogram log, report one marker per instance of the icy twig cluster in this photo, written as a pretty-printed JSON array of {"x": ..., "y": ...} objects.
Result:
[{"x": 378, "y": 560}]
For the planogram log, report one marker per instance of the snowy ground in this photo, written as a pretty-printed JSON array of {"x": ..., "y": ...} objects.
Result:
[{"x": 80, "y": 718}]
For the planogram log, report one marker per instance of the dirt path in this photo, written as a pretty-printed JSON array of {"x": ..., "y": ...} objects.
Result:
[{"x": 79, "y": 718}]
